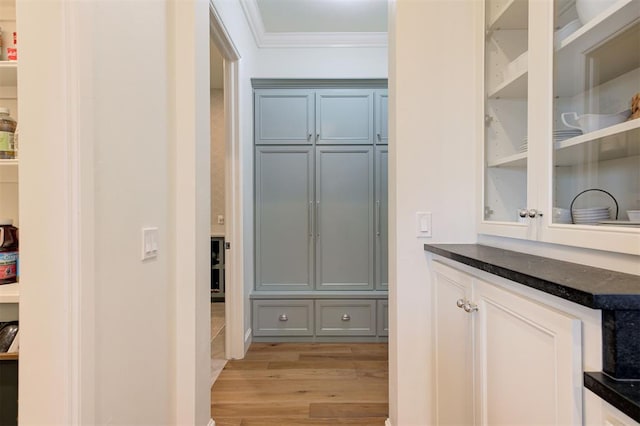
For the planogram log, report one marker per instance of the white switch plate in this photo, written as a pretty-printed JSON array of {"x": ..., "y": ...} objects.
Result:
[
  {"x": 220, "y": 219},
  {"x": 149, "y": 243},
  {"x": 423, "y": 224}
]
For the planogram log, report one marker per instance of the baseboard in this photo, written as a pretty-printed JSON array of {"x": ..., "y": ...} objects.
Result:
[
  {"x": 387, "y": 422},
  {"x": 211, "y": 422}
]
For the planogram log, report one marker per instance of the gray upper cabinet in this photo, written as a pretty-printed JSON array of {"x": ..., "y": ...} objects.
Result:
[
  {"x": 284, "y": 117},
  {"x": 382, "y": 117},
  {"x": 382, "y": 216},
  {"x": 284, "y": 218},
  {"x": 344, "y": 117},
  {"x": 344, "y": 216}
]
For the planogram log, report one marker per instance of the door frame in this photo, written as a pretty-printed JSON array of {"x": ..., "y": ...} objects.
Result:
[{"x": 234, "y": 258}]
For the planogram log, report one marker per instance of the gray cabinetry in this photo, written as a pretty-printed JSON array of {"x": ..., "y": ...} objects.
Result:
[
  {"x": 284, "y": 218},
  {"x": 284, "y": 117},
  {"x": 320, "y": 211},
  {"x": 283, "y": 318},
  {"x": 345, "y": 317},
  {"x": 344, "y": 117},
  {"x": 382, "y": 116},
  {"x": 344, "y": 206},
  {"x": 383, "y": 317},
  {"x": 382, "y": 218}
]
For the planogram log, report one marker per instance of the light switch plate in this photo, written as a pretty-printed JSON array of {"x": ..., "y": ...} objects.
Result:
[
  {"x": 423, "y": 224},
  {"x": 149, "y": 243}
]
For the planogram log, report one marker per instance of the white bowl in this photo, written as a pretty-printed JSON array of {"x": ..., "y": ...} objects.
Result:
[
  {"x": 592, "y": 122},
  {"x": 589, "y": 9},
  {"x": 634, "y": 215},
  {"x": 566, "y": 31}
]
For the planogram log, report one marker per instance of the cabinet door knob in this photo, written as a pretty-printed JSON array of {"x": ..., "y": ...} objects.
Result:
[
  {"x": 283, "y": 317},
  {"x": 346, "y": 317},
  {"x": 523, "y": 212},
  {"x": 460, "y": 303},
  {"x": 470, "y": 307},
  {"x": 379, "y": 137},
  {"x": 533, "y": 213}
]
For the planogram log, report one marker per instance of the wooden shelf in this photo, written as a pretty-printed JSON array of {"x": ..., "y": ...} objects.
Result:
[
  {"x": 513, "y": 16},
  {"x": 516, "y": 160},
  {"x": 9, "y": 356},
  {"x": 619, "y": 141}
]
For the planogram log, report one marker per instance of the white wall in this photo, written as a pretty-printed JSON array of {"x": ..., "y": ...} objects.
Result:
[
  {"x": 432, "y": 168},
  {"x": 104, "y": 339}
]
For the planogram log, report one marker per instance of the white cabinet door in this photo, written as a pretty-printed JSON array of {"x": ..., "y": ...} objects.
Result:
[
  {"x": 528, "y": 361},
  {"x": 453, "y": 348},
  {"x": 505, "y": 359}
]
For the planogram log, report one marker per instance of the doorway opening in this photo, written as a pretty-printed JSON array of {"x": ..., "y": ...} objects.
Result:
[{"x": 226, "y": 155}]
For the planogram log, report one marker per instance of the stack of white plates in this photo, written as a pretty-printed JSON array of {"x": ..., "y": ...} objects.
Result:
[
  {"x": 591, "y": 215},
  {"x": 560, "y": 135}
]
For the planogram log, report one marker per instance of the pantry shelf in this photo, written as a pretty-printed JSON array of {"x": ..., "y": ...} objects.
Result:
[{"x": 9, "y": 293}]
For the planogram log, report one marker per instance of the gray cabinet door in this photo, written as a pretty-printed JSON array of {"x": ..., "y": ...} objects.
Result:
[
  {"x": 382, "y": 218},
  {"x": 284, "y": 117},
  {"x": 344, "y": 218},
  {"x": 382, "y": 117},
  {"x": 344, "y": 117},
  {"x": 284, "y": 227}
]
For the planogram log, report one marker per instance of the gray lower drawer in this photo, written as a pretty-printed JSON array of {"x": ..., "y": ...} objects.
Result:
[
  {"x": 283, "y": 317},
  {"x": 345, "y": 317},
  {"x": 383, "y": 317}
]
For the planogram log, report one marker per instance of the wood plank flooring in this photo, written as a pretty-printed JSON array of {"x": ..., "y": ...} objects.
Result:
[{"x": 289, "y": 384}]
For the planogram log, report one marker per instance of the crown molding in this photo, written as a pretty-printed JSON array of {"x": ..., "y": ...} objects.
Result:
[{"x": 306, "y": 39}]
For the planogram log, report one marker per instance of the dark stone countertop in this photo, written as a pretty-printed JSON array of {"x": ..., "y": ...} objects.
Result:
[
  {"x": 623, "y": 394},
  {"x": 592, "y": 287}
]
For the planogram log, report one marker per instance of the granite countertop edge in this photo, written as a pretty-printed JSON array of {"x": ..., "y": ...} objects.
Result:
[
  {"x": 622, "y": 394},
  {"x": 570, "y": 281}
]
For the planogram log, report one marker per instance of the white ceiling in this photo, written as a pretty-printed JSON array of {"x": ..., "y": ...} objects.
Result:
[
  {"x": 282, "y": 16},
  {"x": 311, "y": 23}
]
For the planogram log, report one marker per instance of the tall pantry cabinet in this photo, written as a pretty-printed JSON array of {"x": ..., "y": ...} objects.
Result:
[{"x": 320, "y": 210}]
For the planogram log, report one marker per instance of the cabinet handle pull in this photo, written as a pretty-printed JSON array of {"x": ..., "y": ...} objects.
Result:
[
  {"x": 317, "y": 219},
  {"x": 460, "y": 303},
  {"x": 309, "y": 137},
  {"x": 283, "y": 317},
  {"x": 379, "y": 137},
  {"x": 310, "y": 219},
  {"x": 378, "y": 217},
  {"x": 346, "y": 317},
  {"x": 317, "y": 137},
  {"x": 470, "y": 307}
]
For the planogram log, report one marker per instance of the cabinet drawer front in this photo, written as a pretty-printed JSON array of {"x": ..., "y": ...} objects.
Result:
[
  {"x": 283, "y": 318},
  {"x": 383, "y": 317},
  {"x": 345, "y": 317}
]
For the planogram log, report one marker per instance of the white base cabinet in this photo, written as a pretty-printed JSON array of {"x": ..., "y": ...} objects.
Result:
[{"x": 500, "y": 358}]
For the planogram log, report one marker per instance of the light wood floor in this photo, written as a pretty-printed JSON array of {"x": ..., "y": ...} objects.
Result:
[{"x": 304, "y": 384}]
